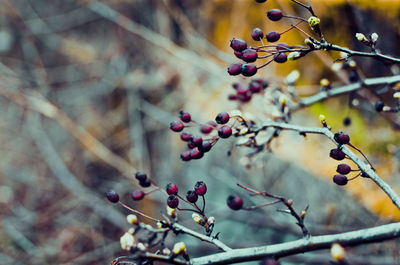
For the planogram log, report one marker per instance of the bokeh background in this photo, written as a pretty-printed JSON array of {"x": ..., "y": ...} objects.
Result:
[{"x": 87, "y": 92}]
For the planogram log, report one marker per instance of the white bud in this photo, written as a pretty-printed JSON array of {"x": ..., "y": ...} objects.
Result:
[
  {"x": 361, "y": 37},
  {"x": 132, "y": 219},
  {"x": 211, "y": 220},
  {"x": 127, "y": 241},
  {"x": 197, "y": 218},
  {"x": 374, "y": 37},
  {"x": 292, "y": 77}
]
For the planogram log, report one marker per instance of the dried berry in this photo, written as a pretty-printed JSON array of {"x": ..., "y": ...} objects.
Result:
[
  {"x": 274, "y": 14},
  {"x": 200, "y": 188},
  {"x": 255, "y": 86},
  {"x": 340, "y": 179},
  {"x": 234, "y": 202},
  {"x": 206, "y": 128},
  {"x": 205, "y": 147},
  {"x": 225, "y": 131},
  {"x": 280, "y": 57},
  {"x": 343, "y": 169},
  {"x": 249, "y": 69},
  {"x": 341, "y": 138},
  {"x": 222, "y": 118},
  {"x": 145, "y": 183},
  {"x": 192, "y": 196},
  {"x": 141, "y": 176},
  {"x": 172, "y": 201},
  {"x": 337, "y": 154},
  {"x": 235, "y": 69},
  {"x": 185, "y": 156},
  {"x": 112, "y": 196},
  {"x": 238, "y": 44},
  {"x": 257, "y": 34},
  {"x": 137, "y": 195},
  {"x": 185, "y": 116},
  {"x": 197, "y": 141},
  {"x": 176, "y": 126},
  {"x": 186, "y": 136},
  {"x": 273, "y": 36},
  {"x": 195, "y": 153},
  {"x": 249, "y": 55},
  {"x": 171, "y": 189},
  {"x": 261, "y": 1}
]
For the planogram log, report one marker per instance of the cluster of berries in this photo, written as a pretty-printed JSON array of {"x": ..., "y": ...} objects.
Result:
[
  {"x": 244, "y": 93},
  {"x": 197, "y": 144}
]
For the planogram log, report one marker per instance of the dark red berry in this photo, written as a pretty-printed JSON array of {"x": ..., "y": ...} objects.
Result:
[
  {"x": 206, "y": 128},
  {"x": 232, "y": 97},
  {"x": 205, "y": 147},
  {"x": 195, "y": 153},
  {"x": 343, "y": 169},
  {"x": 249, "y": 69},
  {"x": 261, "y": 1},
  {"x": 172, "y": 201},
  {"x": 282, "y": 47},
  {"x": 234, "y": 202},
  {"x": 212, "y": 123},
  {"x": 280, "y": 57},
  {"x": 273, "y": 36},
  {"x": 225, "y": 131},
  {"x": 185, "y": 116},
  {"x": 274, "y": 14},
  {"x": 191, "y": 196},
  {"x": 341, "y": 138},
  {"x": 257, "y": 34},
  {"x": 340, "y": 179},
  {"x": 242, "y": 90},
  {"x": 185, "y": 156},
  {"x": 191, "y": 145},
  {"x": 235, "y": 69},
  {"x": 255, "y": 86},
  {"x": 197, "y": 140},
  {"x": 137, "y": 195},
  {"x": 245, "y": 97},
  {"x": 200, "y": 188},
  {"x": 140, "y": 176},
  {"x": 337, "y": 154},
  {"x": 112, "y": 196},
  {"x": 171, "y": 189},
  {"x": 347, "y": 121},
  {"x": 145, "y": 183},
  {"x": 222, "y": 118},
  {"x": 379, "y": 105},
  {"x": 249, "y": 55},
  {"x": 238, "y": 44},
  {"x": 186, "y": 136},
  {"x": 176, "y": 126},
  {"x": 238, "y": 54}
]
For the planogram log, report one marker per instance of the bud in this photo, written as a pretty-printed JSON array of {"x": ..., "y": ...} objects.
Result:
[
  {"x": 361, "y": 37},
  {"x": 166, "y": 251},
  {"x": 282, "y": 100},
  {"x": 323, "y": 120},
  {"x": 337, "y": 252},
  {"x": 386, "y": 109},
  {"x": 313, "y": 21},
  {"x": 293, "y": 56},
  {"x": 197, "y": 218},
  {"x": 309, "y": 43},
  {"x": 396, "y": 95},
  {"x": 179, "y": 248},
  {"x": 159, "y": 225},
  {"x": 324, "y": 82},
  {"x": 303, "y": 214},
  {"x": 211, "y": 220},
  {"x": 171, "y": 212},
  {"x": 141, "y": 247},
  {"x": 127, "y": 241},
  {"x": 290, "y": 202},
  {"x": 132, "y": 219},
  {"x": 374, "y": 37},
  {"x": 292, "y": 77}
]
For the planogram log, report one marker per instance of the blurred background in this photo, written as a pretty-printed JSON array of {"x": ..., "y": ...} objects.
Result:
[{"x": 87, "y": 92}]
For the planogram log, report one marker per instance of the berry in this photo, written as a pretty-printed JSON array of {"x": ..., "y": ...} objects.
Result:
[
  {"x": 282, "y": 47},
  {"x": 261, "y": 1},
  {"x": 197, "y": 140},
  {"x": 257, "y": 34},
  {"x": 379, "y": 105},
  {"x": 245, "y": 97},
  {"x": 235, "y": 69},
  {"x": 185, "y": 156},
  {"x": 186, "y": 136},
  {"x": 205, "y": 147},
  {"x": 343, "y": 169},
  {"x": 280, "y": 57},
  {"x": 347, "y": 121},
  {"x": 145, "y": 183},
  {"x": 185, "y": 116},
  {"x": 269, "y": 261},
  {"x": 171, "y": 189},
  {"x": 172, "y": 201},
  {"x": 249, "y": 55},
  {"x": 195, "y": 153},
  {"x": 225, "y": 131},
  {"x": 176, "y": 126},
  {"x": 206, "y": 128},
  {"x": 191, "y": 196},
  {"x": 274, "y": 14},
  {"x": 337, "y": 154},
  {"x": 340, "y": 179},
  {"x": 234, "y": 202},
  {"x": 200, "y": 188},
  {"x": 232, "y": 97},
  {"x": 249, "y": 69},
  {"x": 141, "y": 176},
  {"x": 242, "y": 90},
  {"x": 112, "y": 196},
  {"x": 341, "y": 138},
  {"x": 255, "y": 86},
  {"x": 222, "y": 118},
  {"x": 137, "y": 195},
  {"x": 273, "y": 36},
  {"x": 238, "y": 54},
  {"x": 238, "y": 44}
]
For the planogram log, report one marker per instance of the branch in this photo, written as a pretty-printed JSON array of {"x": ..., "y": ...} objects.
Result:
[
  {"x": 363, "y": 236},
  {"x": 350, "y": 53}
]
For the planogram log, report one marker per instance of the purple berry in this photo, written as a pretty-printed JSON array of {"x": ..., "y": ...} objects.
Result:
[
  {"x": 141, "y": 176},
  {"x": 205, "y": 147},
  {"x": 340, "y": 179},
  {"x": 197, "y": 140},
  {"x": 172, "y": 201},
  {"x": 137, "y": 195},
  {"x": 206, "y": 128},
  {"x": 238, "y": 54},
  {"x": 145, "y": 183},
  {"x": 274, "y": 14},
  {"x": 176, "y": 126},
  {"x": 249, "y": 55},
  {"x": 255, "y": 87},
  {"x": 249, "y": 69},
  {"x": 238, "y": 44},
  {"x": 273, "y": 36},
  {"x": 112, "y": 196},
  {"x": 245, "y": 97},
  {"x": 341, "y": 138},
  {"x": 185, "y": 116},
  {"x": 185, "y": 156},
  {"x": 232, "y": 97},
  {"x": 186, "y": 136},
  {"x": 200, "y": 188},
  {"x": 257, "y": 34},
  {"x": 171, "y": 189},
  {"x": 225, "y": 131},
  {"x": 235, "y": 69},
  {"x": 191, "y": 196},
  {"x": 337, "y": 154},
  {"x": 222, "y": 118},
  {"x": 195, "y": 153},
  {"x": 347, "y": 121},
  {"x": 261, "y": 1},
  {"x": 343, "y": 169},
  {"x": 280, "y": 57},
  {"x": 234, "y": 202},
  {"x": 379, "y": 105}
]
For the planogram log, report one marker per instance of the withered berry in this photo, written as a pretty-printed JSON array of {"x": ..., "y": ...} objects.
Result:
[
  {"x": 186, "y": 136},
  {"x": 341, "y": 138},
  {"x": 172, "y": 201},
  {"x": 273, "y": 36},
  {"x": 234, "y": 202},
  {"x": 141, "y": 176},
  {"x": 340, "y": 179},
  {"x": 249, "y": 55},
  {"x": 235, "y": 69},
  {"x": 200, "y": 188},
  {"x": 343, "y": 169},
  {"x": 225, "y": 131},
  {"x": 185, "y": 116},
  {"x": 280, "y": 57},
  {"x": 176, "y": 126},
  {"x": 379, "y": 105},
  {"x": 137, "y": 195},
  {"x": 205, "y": 147},
  {"x": 191, "y": 196},
  {"x": 337, "y": 154},
  {"x": 145, "y": 183},
  {"x": 112, "y": 196},
  {"x": 249, "y": 69},
  {"x": 171, "y": 189},
  {"x": 274, "y": 14},
  {"x": 238, "y": 44},
  {"x": 185, "y": 156},
  {"x": 222, "y": 118},
  {"x": 257, "y": 34}
]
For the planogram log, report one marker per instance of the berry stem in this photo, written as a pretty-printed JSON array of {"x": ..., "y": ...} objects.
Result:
[
  {"x": 354, "y": 177},
  {"x": 361, "y": 154},
  {"x": 136, "y": 211},
  {"x": 267, "y": 63},
  {"x": 298, "y": 18},
  {"x": 291, "y": 27},
  {"x": 204, "y": 203},
  {"x": 260, "y": 206}
]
